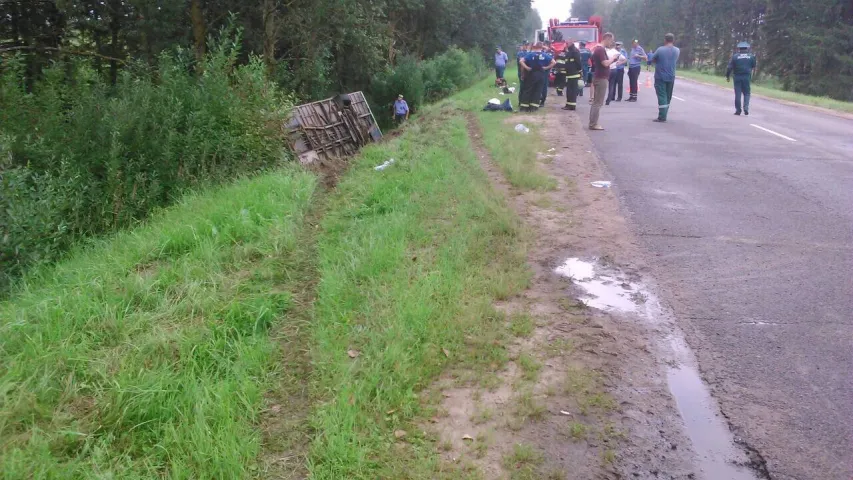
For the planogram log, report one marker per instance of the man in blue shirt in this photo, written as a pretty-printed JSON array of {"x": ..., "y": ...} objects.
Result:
[
  {"x": 585, "y": 56},
  {"x": 743, "y": 66},
  {"x": 635, "y": 64},
  {"x": 401, "y": 110},
  {"x": 665, "y": 59},
  {"x": 535, "y": 66},
  {"x": 500, "y": 62},
  {"x": 523, "y": 50}
]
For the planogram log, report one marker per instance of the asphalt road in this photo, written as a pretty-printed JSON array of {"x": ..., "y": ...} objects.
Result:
[{"x": 751, "y": 239}]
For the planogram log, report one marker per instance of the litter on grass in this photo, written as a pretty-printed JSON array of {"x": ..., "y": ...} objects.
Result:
[
  {"x": 520, "y": 128},
  {"x": 601, "y": 184},
  {"x": 385, "y": 164}
]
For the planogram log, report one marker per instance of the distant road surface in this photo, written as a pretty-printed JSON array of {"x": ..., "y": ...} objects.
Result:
[{"x": 748, "y": 222}]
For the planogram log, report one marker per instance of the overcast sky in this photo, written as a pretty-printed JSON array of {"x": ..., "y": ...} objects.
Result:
[{"x": 552, "y": 9}]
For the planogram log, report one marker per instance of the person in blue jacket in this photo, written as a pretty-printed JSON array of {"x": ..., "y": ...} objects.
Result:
[
  {"x": 535, "y": 65},
  {"x": 742, "y": 65}
]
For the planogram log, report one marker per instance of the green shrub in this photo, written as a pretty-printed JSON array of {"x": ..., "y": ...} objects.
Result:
[
  {"x": 80, "y": 157},
  {"x": 423, "y": 81}
]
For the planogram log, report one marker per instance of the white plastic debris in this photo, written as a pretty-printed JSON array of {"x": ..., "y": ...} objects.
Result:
[
  {"x": 601, "y": 184},
  {"x": 495, "y": 101},
  {"x": 512, "y": 89},
  {"x": 520, "y": 128},
  {"x": 384, "y": 165}
]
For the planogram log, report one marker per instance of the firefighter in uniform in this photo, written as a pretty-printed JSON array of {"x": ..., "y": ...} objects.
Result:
[
  {"x": 742, "y": 65},
  {"x": 574, "y": 69},
  {"x": 535, "y": 65},
  {"x": 560, "y": 72}
]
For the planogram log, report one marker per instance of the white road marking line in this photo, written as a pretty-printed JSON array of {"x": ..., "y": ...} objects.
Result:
[
  {"x": 678, "y": 98},
  {"x": 771, "y": 131}
]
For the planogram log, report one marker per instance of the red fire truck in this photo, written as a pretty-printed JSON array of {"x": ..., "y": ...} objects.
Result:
[{"x": 559, "y": 33}]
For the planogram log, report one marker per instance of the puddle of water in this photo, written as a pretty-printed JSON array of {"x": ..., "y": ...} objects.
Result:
[
  {"x": 717, "y": 455},
  {"x": 604, "y": 290}
]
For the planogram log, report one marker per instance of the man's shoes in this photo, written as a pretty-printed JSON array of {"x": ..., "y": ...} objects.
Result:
[
  {"x": 541, "y": 104},
  {"x": 559, "y": 94},
  {"x": 737, "y": 113},
  {"x": 619, "y": 100},
  {"x": 596, "y": 127},
  {"x": 659, "y": 120},
  {"x": 746, "y": 112},
  {"x": 607, "y": 102},
  {"x": 567, "y": 108}
]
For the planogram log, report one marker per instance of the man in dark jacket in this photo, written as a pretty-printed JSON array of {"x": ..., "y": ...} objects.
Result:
[
  {"x": 574, "y": 69},
  {"x": 743, "y": 66}
]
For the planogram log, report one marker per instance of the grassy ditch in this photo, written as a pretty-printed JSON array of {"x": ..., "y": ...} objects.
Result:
[{"x": 146, "y": 355}]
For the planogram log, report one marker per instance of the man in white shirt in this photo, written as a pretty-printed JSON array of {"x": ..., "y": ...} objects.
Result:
[{"x": 614, "y": 71}]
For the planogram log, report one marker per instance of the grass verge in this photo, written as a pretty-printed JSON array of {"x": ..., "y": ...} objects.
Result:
[
  {"x": 147, "y": 355},
  {"x": 515, "y": 153},
  {"x": 410, "y": 261},
  {"x": 772, "y": 91}
]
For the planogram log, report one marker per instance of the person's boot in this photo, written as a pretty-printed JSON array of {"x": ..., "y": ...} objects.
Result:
[{"x": 559, "y": 93}]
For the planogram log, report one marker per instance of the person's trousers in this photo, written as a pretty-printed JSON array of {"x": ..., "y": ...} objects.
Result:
[
  {"x": 599, "y": 86},
  {"x": 572, "y": 88},
  {"x": 499, "y": 71},
  {"x": 611, "y": 86},
  {"x": 531, "y": 91},
  {"x": 742, "y": 86},
  {"x": 587, "y": 77},
  {"x": 560, "y": 82},
  {"x": 633, "y": 78},
  {"x": 545, "y": 88},
  {"x": 620, "y": 83},
  {"x": 664, "y": 91}
]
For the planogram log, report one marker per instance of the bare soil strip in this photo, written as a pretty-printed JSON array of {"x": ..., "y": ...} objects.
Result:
[{"x": 583, "y": 395}]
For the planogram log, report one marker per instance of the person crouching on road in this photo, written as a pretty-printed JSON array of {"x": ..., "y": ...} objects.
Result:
[
  {"x": 743, "y": 65},
  {"x": 573, "y": 76},
  {"x": 635, "y": 64},
  {"x": 535, "y": 66},
  {"x": 401, "y": 110}
]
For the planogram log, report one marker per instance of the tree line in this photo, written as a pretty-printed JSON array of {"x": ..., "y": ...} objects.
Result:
[
  {"x": 312, "y": 47},
  {"x": 807, "y": 45}
]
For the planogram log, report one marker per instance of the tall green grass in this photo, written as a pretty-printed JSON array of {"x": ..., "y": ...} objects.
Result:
[
  {"x": 515, "y": 153},
  {"x": 411, "y": 260},
  {"x": 146, "y": 355}
]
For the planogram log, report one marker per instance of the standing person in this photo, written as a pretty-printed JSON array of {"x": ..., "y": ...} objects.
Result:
[
  {"x": 500, "y": 62},
  {"x": 601, "y": 64},
  {"x": 535, "y": 66},
  {"x": 560, "y": 72},
  {"x": 587, "y": 75},
  {"x": 742, "y": 65},
  {"x": 615, "y": 73},
  {"x": 665, "y": 59},
  {"x": 620, "y": 69},
  {"x": 549, "y": 51},
  {"x": 401, "y": 110},
  {"x": 572, "y": 76},
  {"x": 523, "y": 50},
  {"x": 635, "y": 64}
]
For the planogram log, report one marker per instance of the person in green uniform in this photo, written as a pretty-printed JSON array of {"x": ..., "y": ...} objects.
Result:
[{"x": 742, "y": 65}]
